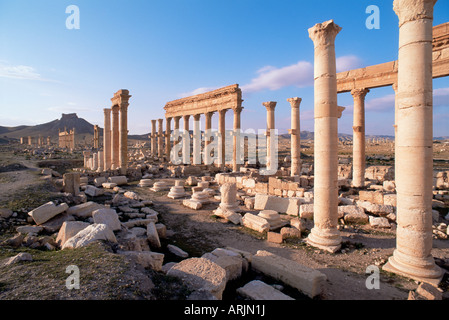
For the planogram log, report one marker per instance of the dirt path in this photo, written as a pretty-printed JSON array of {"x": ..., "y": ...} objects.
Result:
[{"x": 198, "y": 232}]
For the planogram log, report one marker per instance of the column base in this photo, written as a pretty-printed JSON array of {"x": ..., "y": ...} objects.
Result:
[
  {"x": 424, "y": 270},
  {"x": 328, "y": 240}
]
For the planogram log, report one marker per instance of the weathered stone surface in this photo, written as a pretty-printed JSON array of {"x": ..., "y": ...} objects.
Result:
[
  {"x": 305, "y": 279},
  {"x": 85, "y": 210},
  {"x": 5, "y": 213},
  {"x": 153, "y": 236},
  {"x": 274, "y": 237},
  {"x": 88, "y": 235},
  {"x": 376, "y": 209},
  {"x": 47, "y": 211},
  {"x": 177, "y": 251},
  {"x": 256, "y": 223},
  {"x": 137, "y": 223},
  {"x": 258, "y": 290},
  {"x": 379, "y": 222},
  {"x": 306, "y": 211},
  {"x": 353, "y": 214},
  {"x": 192, "y": 204},
  {"x": 231, "y": 216},
  {"x": 299, "y": 224},
  {"x": 228, "y": 260},
  {"x": 290, "y": 233},
  {"x": 29, "y": 229},
  {"x": 119, "y": 180},
  {"x": 429, "y": 292},
  {"x": 54, "y": 224},
  {"x": 98, "y": 182},
  {"x": 68, "y": 230},
  {"x": 147, "y": 259},
  {"x": 131, "y": 195},
  {"x": 24, "y": 256},
  {"x": 201, "y": 273},
  {"x": 93, "y": 191},
  {"x": 108, "y": 217}
]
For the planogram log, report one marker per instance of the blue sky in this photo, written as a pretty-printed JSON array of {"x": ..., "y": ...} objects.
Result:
[{"x": 163, "y": 50}]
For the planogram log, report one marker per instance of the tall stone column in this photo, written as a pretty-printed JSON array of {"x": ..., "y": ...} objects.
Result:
[
  {"x": 153, "y": 138},
  {"x": 160, "y": 139},
  {"x": 208, "y": 129},
  {"x": 96, "y": 137},
  {"x": 123, "y": 137},
  {"x": 107, "y": 139},
  {"x": 167, "y": 138},
  {"x": 295, "y": 137},
  {"x": 196, "y": 139},
  {"x": 270, "y": 106},
  {"x": 236, "y": 155},
  {"x": 414, "y": 160},
  {"x": 186, "y": 141},
  {"x": 115, "y": 138},
  {"x": 176, "y": 135},
  {"x": 396, "y": 112},
  {"x": 358, "y": 152},
  {"x": 222, "y": 138},
  {"x": 325, "y": 234}
]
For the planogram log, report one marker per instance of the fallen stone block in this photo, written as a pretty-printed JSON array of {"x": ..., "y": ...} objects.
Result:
[
  {"x": 228, "y": 260},
  {"x": 54, "y": 224},
  {"x": 119, "y": 180},
  {"x": 108, "y": 217},
  {"x": 153, "y": 236},
  {"x": 147, "y": 259},
  {"x": 379, "y": 222},
  {"x": 47, "y": 211},
  {"x": 429, "y": 292},
  {"x": 274, "y": 237},
  {"x": 85, "y": 210},
  {"x": 192, "y": 204},
  {"x": 24, "y": 256},
  {"x": 29, "y": 229},
  {"x": 98, "y": 182},
  {"x": 131, "y": 195},
  {"x": 93, "y": 191},
  {"x": 258, "y": 290},
  {"x": 306, "y": 211},
  {"x": 90, "y": 234},
  {"x": 177, "y": 251},
  {"x": 376, "y": 209},
  {"x": 137, "y": 223},
  {"x": 353, "y": 214},
  {"x": 68, "y": 230},
  {"x": 201, "y": 274},
  {"x": 308, "y": 281},
  {"x": 290, "y": 233},
  {"x": 109, "y": 185},
  {"x": 256, "y": 223}
]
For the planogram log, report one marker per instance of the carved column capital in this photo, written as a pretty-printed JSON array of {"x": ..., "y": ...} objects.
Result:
[
  {"x": 411, "y": 10},
  {"x": 359, "y": 93},
  {"x": 295, "y": 102},
  {"x": 270, "y": 105},
  {"x": 324, "y": 34}
]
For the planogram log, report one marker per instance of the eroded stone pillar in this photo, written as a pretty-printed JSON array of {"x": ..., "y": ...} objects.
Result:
[
  {"x": 358, "y": 151},
  {"x": 115, "y": 138},
  {"x": 295, "y": 133},
  {"x": 222, "y": 138},
  {"x": 107, "y": 139},
  {"x": 414, "y": 159},
  {"x": 160, "y": 138},
  {"x": 96, "y": 137},
  {"x": 196, "y": 139},
  {"x": 167, "y": 138},
  {"x": 124, "y": 96},
  {"x": 208, "y": 141},
  {"x": 325, "y": 234},
  {"x": 186, "y": 141},
  {"x": 270, "y": 106},
  {"x": 153, "y": 138},
  {"x": 236, "y": 155}
]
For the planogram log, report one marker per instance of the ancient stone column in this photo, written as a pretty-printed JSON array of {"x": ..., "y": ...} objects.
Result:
[
  {"x": 295, "y": 137},
  {"x": 396, "y": 112},
  {"x": 96, "y": 137},
  {"x": 124, "y": 136},
  {"x": 71, "y": 183},
  {"x": 207, "y": 141},
  {"x": 107, "y": 139},
  {"x": 186, "y": 141},
  {"x": 115, "y": 138},
  {"x": 86, "y": 155},
  {"x": 100, "y": 161},
  {"x": 222, "y": 138},
  {"x": 358, "y": 152},
  {"x": 270, "y": 106},
  {"x": 160, "y": 138},
  {"x": 153, "y": 138},
  {"x": 236, "y": 155},
  {"x": 414, "y": 160},
  {"x": 167, "y": 138},
  {"x": 196, "y": 139},
  {"x": 176, "y": 134},
  {"x": 325, "y": 234}
]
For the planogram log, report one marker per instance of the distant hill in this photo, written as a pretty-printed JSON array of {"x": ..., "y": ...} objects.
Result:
[{"x": 67, "y": 122}]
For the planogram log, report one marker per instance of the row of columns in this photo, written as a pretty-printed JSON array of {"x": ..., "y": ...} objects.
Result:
[
  {"x": 115, "y": 136},
  {"x": 158, "y": 137},
  {"x": 414, "y": 137}
]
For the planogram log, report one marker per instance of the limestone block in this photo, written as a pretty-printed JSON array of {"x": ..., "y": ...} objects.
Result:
[
  {"x": 137, "y": 223},
  {"x": 379, "y": 222},
  {"x": 290, "y": 233},
  {"x": 201, "y": 274},
  {"x": 119, "y": 180},
  {"x": 429, "y": 292},
  {"x": 376, "y": 197},
  {"x": 98, "y": 182},
  {"x": 228, "y": 260},
  {"x": 85, "y": 210},
  {"x": 47, "y": 211},
  {"x": 305, "y": 279},
  {"x": 273, "y": 218},
  {"x": 24, "y": 256},
  {"x": 147, "y": 259},
  {"x": 192, "y": 204},
  {"x": 258, "y": 290},
  {"x": 109, "y": 185},
  {"x": 229, "y": 215},
  {"x": 29, "y": 229},
  {"x": 93, "y": 191},
  {"x": 161, "y": 230},
  {"x": 261, "y": 201},
  {"x": 306, "y": 211},
  {"x": 376, "y": 209},
  {"x": 256, "y": 223},
  {"x": 299, "y": 224},
  {"x": 353, "y": 214},
  {"x": 145, "y": 183},
  {"x": 131, "y": 195},
  {"x": 153, "y": 236},
  {"x": 390, "y": 199},
  {"x": 293, "y": 206},
  {"x": 71, "y": 183},
  {"x": 108, "y": 217},
  {"x": 69, "y": 229},
  {"x": 274, "y": 237},
  {"x": 88, "y": 235},
  {"x": 177, "y": 251},
  {"x": 249, "y": 203}
]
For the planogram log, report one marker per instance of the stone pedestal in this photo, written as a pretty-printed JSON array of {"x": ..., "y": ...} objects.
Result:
[
  {"x": 414, "y": 166},
  {"x": 159, "y": 186},
  {"x": 325, "y": 234},
  {"x": 177, "y": 191}
]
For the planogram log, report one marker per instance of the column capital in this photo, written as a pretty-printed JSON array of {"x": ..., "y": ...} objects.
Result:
[
  {"x": 270, "y": 105},
  {"x": 359, "y": 93},
  {"x": 115, "y": 108},
  {"x": 209, "y": 114},
  {"x": 222, "y": 112},
  {"x": 395, "y": 87},
  {"x": 340, "y": 111},
  {"x": 295, "y": 102},
  {"x": 238, "y": 109},
  {"x": 107, "y": 111},
  {"x": 323, "y": 34},
  {"x": 161, "y": 121},
  {"x": 197, "y": 117},
  {"x": 411, "y": 10}
]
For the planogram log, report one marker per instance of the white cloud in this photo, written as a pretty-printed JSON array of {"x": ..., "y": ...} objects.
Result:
[
  {"x": 441, "y": 97},
  {"x": 197, "y": 91},
  {"x": 349, "y": 62},
  {"x": 381, "y": 104},
  {"x": 19, "y": 72},
  {"x": 272, "y": 78}
]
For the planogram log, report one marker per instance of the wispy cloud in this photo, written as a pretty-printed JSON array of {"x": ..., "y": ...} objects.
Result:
[
  {"x": 197, "y": 91},
  {"x": 20, "y": 72},
  {"x": 349, "y": 62},
  {"x": 272, "y": 78}
]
